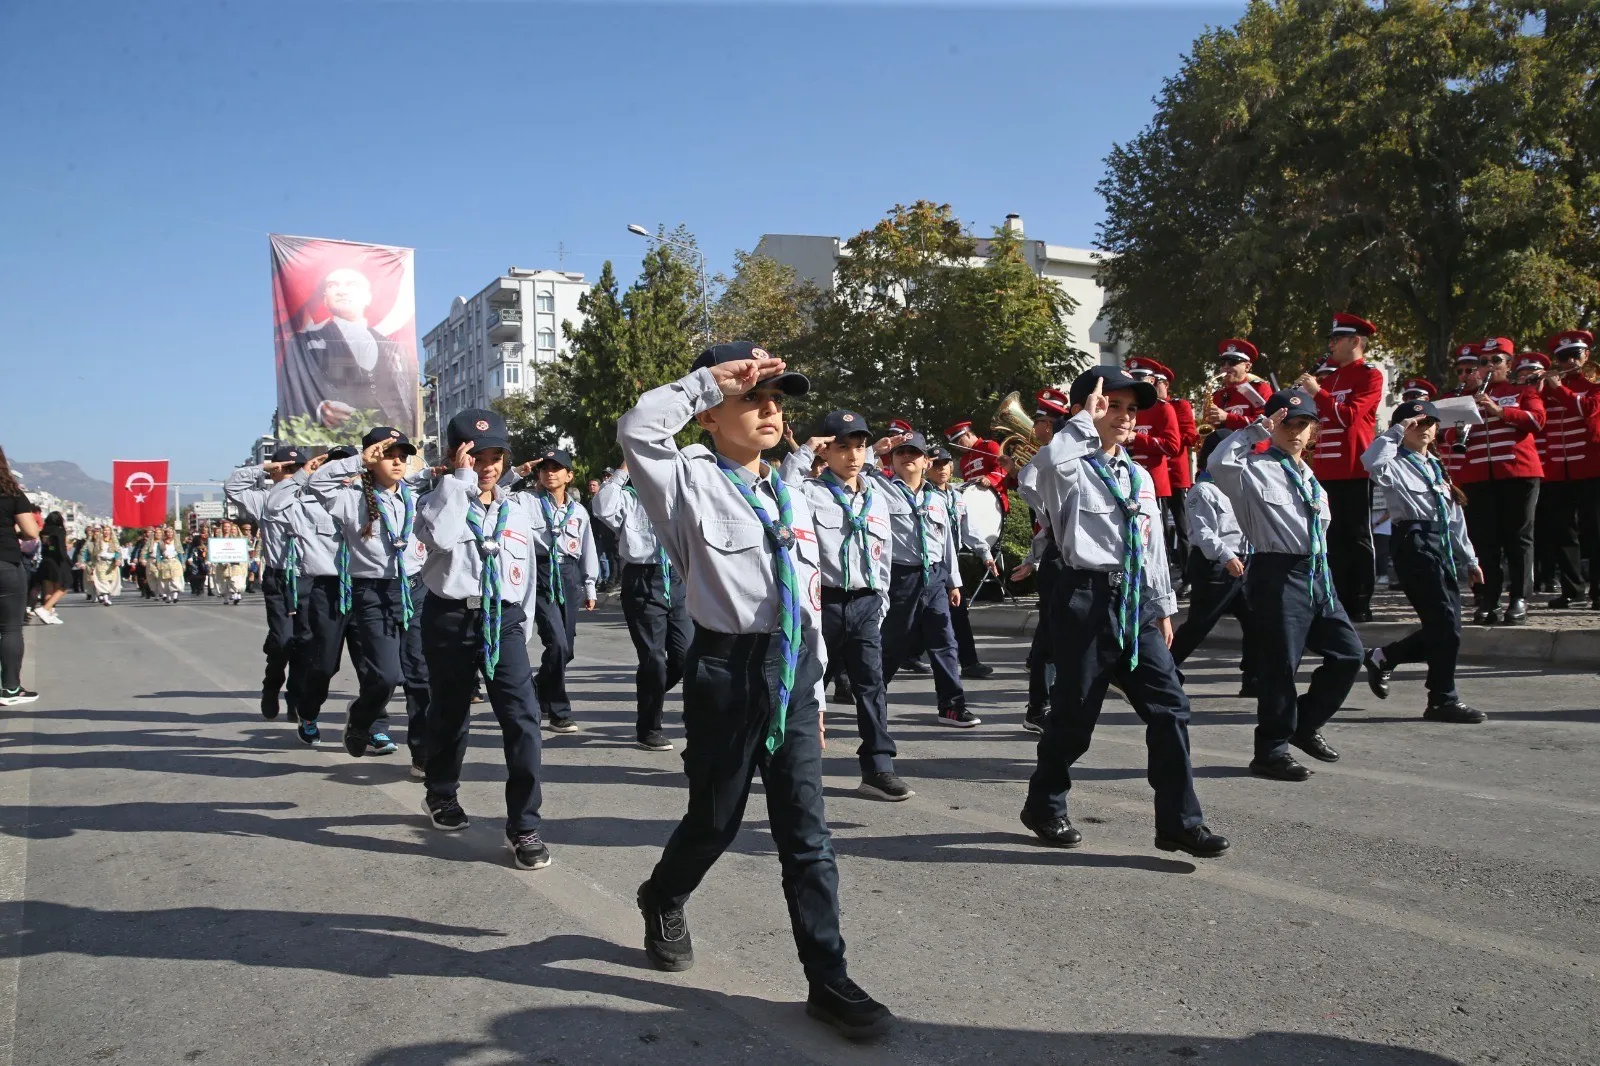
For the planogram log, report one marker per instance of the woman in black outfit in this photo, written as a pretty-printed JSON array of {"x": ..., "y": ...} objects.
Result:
[
  {"x": 16, "y": 516},
  {"x": 55, "y": 568}
]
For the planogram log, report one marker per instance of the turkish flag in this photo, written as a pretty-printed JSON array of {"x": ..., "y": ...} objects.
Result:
[{"x": 139, "y": 492}]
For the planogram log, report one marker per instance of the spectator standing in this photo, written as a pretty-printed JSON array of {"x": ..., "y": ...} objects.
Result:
[{"x": 17, "y": 521}]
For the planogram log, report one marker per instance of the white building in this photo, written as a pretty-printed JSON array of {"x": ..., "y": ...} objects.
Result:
[
  {"x": 494, "y": 344},
  {"x": 816, "y": 259}
]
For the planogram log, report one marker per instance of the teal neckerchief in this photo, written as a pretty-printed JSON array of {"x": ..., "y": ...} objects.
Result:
[
  {"x": 398, "y": 543},
  {"x": 662, "y": 559},
  {"x": 780, "y": 535},
  {"x": 489, "y": 582},
  {"x": 1310, "y": 490},
  {"x": 558, "y": 587},
  {"x": 1129, "y": 599},
  {"x": 1433, "y": 473},
  {"x": 341, "y": 559},
  {"x": 855, "y": 525},
  {"x": 919, "y": 512},
  {"x": 291, "y": 570}
]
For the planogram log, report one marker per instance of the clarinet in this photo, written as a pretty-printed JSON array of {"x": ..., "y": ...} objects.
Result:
[{"x": 1460, "y": 446}]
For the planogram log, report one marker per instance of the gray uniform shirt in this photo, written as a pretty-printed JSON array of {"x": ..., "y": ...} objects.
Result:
[
  {"x": 571, "y": 537},
  {"x": 710, "y": 532},
  {"x": 938, "y": 527},
  {"x": 1269, "y": 508},
  {"x": 372, "y": 556},
  {"x": 868, "y": 555},
  {"x": 1213, "y": 527},
  {"x": 313, "y": 529},
  {"x": 1086, "y": 519},
  {"x": 617, "y": 507},
  {"x": 1409, "y": 495},
  {"x": 249, "y": 488},
  {"x": 453, "y": 569}
]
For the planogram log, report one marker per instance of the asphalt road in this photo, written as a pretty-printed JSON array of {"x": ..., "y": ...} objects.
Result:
[{"x": 184, "y": 882}]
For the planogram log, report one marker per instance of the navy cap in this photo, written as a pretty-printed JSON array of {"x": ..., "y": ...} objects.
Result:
[
  {"x": 1297, "y": 402},
  {"x": 1411, "y": 409},
  {"x": 940, "y": 455},
  {"x": 343, "y": 451},
  {"x": 389, "y": 437},
  {"x": 484, "y": 428},
  {"x": 791, "y": 382},
  {"x": 914, "y": 440},
  {"x": 558, "y": 456},
  {"x": 1113, "y": 380},
  {"x": 286, "y": 454},
  {"x": 843, "y": 424}
]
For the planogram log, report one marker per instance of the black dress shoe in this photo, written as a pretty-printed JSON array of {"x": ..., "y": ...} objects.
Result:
[
  {"x": 1199, "y": 841},
  {"x": 1517, "y": 613},
  {"x": 1560, "y": 603},
  {"x": 1377, "y": 676},
  {"x": 1280, "y": 768},
  {"x": 977, "y": 671},
  {"x": 1247, "y": 688},
  {"x": 1363, "y": 615},
  {"x": 1485, "y": 616},
  {"x": 1455, "y": 712},
  {"x": 915, "y": 666},
  {"x": 1054, "y": 831},
  {"x": 1315, "y": 746}
]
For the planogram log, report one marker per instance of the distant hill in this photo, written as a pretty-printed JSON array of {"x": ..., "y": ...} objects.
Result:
[{"x": 68, "y": 481}]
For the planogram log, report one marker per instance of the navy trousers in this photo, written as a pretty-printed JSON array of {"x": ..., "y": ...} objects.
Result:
[
  {"x": 414, "y": 668},
  {"x": 288, "y": 636},
  {"x": 1213, "y": 592},
  {"x": 730, "y": 685},
  {"x": 452, "y": 642},
  {"x": 375, "y": 625},
  {"x": 851, "y": 632},
  {"x": 1289, "y": 622},
  {"x": 661, "y": 631},
  {"x": 1088, "y": 658},
  {"x": 919, "y": 618},
  {"x": 558, "y": 631},
  {"x": 1041, "y": 655},
  {"x": 1433, "y": 593},
  {"x": 329, "y": 635}
]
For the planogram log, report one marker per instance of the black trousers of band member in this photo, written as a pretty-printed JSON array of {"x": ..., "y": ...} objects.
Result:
[
  {"x": 1088, "y": 658},
  {"x": 1500, "y": 523},
  {"x": 1175, "y": 505},
  {"x": 1425, "y": 578},
  {"x": 558, "y": 631},
  {"x": 452, "y": 641},
  {"x": 961, "y": 627},
  {"x": 1350, "y": 553},
  {"x": 660, "y": 632},
  {"x": 1213, "y": 592},
  {"x": 288, "y": 636},
  {"x": 377, "y": 663},
  {"x": 1288, "y": 622},
  {"x": 1041, "y": 653},
  {"x": 918, "y": 619},
  {"x": 1567, "y": 521},
  {"x": 730, "y": 690},
  {"x": 854, "y": 639},
  {"x": 414, "y": 670}
]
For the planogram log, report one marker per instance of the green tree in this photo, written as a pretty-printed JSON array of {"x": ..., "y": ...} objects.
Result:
[{"x": 764, "y": 301}]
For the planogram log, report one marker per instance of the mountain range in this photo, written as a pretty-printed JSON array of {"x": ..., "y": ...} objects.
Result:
[{"x": 68, "y": 481}]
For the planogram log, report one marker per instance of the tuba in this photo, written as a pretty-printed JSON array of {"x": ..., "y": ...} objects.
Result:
[{"x": 1014, "y": 427}]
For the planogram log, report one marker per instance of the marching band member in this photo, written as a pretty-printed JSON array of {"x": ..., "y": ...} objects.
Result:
[
  {"x": 1180, "y": 469},
  {"x": 1431, "y": 553},
  {"x": 1470, "y": 376},
  {"x": 1347, "y": 406},
  {"x": 1239, "y": 399},
  {"x": 1416, "y": 389},
  {"x": 1157, "y": 439},
  {"x": 746, "y": 546},
  {"x": 1285, "y": 514},
  {"x": 851, "y": 514},
  {"x": 1500, "y": 473},
  {"x": 1051, "y": 407},
  {"x": 1569, "y": 499},
  {"x": 1112, "y": 606},
  {"x": 1216, "y": 565},
  {"x": 652, "y": 604},
  {"x": 477, "y": 570}
]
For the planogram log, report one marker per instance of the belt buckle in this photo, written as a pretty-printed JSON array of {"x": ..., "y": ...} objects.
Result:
[
  {"x": 474, "y": 603},
  {"x": 1114, "y": 578}
]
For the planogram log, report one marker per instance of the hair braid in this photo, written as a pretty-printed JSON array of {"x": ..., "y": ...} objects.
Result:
[{"x": 371, "y": 497}]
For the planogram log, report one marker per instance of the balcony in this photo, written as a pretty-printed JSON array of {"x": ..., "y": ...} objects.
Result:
[
  {"x": 505, "y": 325},
  {"x": 510, "y": 352}
]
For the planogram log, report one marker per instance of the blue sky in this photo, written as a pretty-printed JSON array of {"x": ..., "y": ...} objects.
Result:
[{"x": 150, "y": 148}]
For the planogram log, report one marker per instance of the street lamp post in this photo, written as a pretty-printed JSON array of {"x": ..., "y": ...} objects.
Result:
[{"x": 705, "y": 292}]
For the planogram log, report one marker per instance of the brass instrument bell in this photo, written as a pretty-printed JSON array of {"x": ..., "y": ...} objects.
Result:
[{"x": 1013, "y": 425}]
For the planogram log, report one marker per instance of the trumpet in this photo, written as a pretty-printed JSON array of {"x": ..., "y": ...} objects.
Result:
[{"x": 1013, "y": 426}]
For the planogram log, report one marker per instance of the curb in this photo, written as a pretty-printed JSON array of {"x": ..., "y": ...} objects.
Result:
[{"x": 1578, "y": 648}]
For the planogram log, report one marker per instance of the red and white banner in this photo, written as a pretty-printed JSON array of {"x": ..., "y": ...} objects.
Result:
[
  {"x": 138, "y": 492},
  {"x": 345, "y": 329}
]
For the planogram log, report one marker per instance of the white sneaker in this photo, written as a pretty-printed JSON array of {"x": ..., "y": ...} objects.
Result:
[{"x": 51, "y": 618}]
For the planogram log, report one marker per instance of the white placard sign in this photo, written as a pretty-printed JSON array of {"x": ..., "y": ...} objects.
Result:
[{"x": 227, "y": 550}]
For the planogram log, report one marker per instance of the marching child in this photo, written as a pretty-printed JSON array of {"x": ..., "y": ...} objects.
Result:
[
  {"x": 941, "y": 475},
  {"x": 1285, "y": 515},
  {"x": 163, "y": 564},
  {"x": 318, "y": 544},
  {"x": 652, "y": 603},
  {"x": 230, "y": 577},
  {"x": 747, "y": 549},
  {"x": 106, "y": 566},
  {"x": 1215, "y": 571},
  {"x": 1431, "y": 551},
  {"x": 478, "y": 572}
]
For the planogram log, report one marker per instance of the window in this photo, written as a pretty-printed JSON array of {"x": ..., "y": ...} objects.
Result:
[
  {"x": 513, "y": 375},
  {"x": 545, "y": 301},
  {"x": 547, "y": 339},
  {"x": 497, "y": 379}
]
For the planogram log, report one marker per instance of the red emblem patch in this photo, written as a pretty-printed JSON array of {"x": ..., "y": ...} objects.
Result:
[
  {"x": 481, "y": 424},
  {"x": 516, "y": 575},
  {"x": 816, "y": 590}
]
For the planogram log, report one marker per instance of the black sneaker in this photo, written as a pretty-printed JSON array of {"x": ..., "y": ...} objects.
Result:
[
  {"x": 843, "y": 1004},
  {"x": 977, "y": 671},
  {"x": 843, "y": 694},
  {"x": 381, "y": 744},
  {"x": 16, "y": 697},
  {"x": 444, "y": 812},
  {"x": 1378, "y": 674},
  {"x": 666, "y": 934},
  {"x": 355, "y": 742},
  {"x": 654, "y": 740},
  {"x": 269, "y": 704},
  {"x": 1455, "y": 712},
  {"x": 563, "y": 725},
  {"x": 308, "y": 732},
  {"x": 1056, "y": 831},
  {"x": 528, "y": 851},
  {"x": 1033, "y": 718},
  {"x": 885, "y": 786},
  {"x": 290, "y": 713},
  {"x": 959, "y": 717}
]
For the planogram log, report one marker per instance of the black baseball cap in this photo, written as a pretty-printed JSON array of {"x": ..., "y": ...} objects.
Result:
[
  {"x": 843, "y": 424},
  {"x": 791, "y": 382},
  {"x": 559, "y": 456},
  {"x": 1297, "y": 402},
  {"x": 343, "y": 451},
  {"x": 286, "y": 454},
  {"x": 389, "y": 437},
  {"x": 1411, "y": 409},
  {"x": 1112, "y": 379},
  {"x": 915, "y": 441},
  {"x": 484, "y": 428}
]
